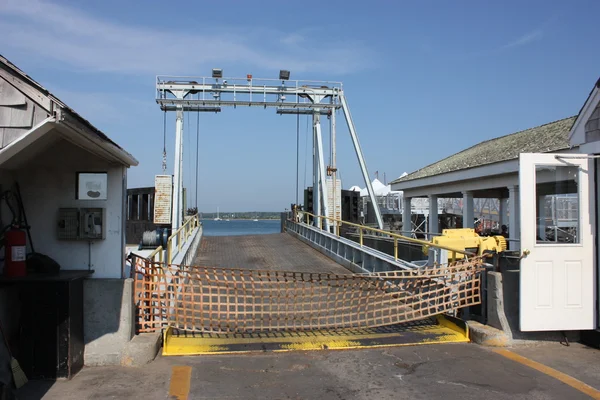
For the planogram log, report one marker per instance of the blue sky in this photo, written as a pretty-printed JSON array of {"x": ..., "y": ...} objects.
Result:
[{"x": 423, "y": 79}]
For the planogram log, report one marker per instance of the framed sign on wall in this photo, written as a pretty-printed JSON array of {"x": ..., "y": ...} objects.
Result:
[{"x": 92, "y": 185}]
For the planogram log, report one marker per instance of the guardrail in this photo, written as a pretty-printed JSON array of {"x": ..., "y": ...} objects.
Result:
[
  {"x": 157, "y": 255},
  {"x": 362, "y": 229},
  {"x": 180, "y": 236}
]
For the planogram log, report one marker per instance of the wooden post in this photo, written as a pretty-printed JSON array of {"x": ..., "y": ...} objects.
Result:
[
  {"x": 361, "y": 236},
  {"x": 395, "y": 248}
]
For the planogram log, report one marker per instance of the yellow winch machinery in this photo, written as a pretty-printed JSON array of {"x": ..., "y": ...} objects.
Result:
[{"x": 468, "y": 240}]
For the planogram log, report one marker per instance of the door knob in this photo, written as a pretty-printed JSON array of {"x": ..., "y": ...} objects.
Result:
[{"x": 525, "y": 253}]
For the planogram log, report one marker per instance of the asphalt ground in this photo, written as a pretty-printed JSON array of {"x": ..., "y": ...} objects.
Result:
[{"x": 445, "y": 371}]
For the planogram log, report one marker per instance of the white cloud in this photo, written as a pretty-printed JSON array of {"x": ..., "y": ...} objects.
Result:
[
  {"x": 525, "y": 39},
  {"x": 82, "y": 41}
]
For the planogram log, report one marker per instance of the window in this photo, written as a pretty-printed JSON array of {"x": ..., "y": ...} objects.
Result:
[{"x": 557, "y": 207}]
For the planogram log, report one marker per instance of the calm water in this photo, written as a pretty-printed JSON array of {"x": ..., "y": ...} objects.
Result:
[{"x": 240, "y": 227}]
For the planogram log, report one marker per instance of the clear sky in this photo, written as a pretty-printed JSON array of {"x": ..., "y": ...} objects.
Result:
[{"x": 423, "y": 79}]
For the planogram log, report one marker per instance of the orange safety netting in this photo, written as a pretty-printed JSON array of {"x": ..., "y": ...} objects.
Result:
[{"x": 226, "y": 300}]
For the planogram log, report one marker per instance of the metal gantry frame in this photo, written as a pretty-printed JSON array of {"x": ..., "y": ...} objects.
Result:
[{"x": 316, "y": 98}]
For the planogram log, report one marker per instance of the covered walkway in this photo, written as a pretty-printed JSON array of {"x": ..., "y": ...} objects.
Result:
[{"x": 488, "y": 170}]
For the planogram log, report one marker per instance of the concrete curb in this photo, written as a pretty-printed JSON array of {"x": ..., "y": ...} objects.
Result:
[
  {"x": 487, "y": 336},
  {"x": 142, "y": 349}
]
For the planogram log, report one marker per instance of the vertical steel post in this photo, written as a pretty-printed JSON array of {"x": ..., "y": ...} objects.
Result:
[
  {"x": 333, "y": 163},
  {"x": 316, "y": 187},
  {"x": 178, "y": 171},
  {"x": 361, "y": 160},
  {"x": 322, "y": 172}
]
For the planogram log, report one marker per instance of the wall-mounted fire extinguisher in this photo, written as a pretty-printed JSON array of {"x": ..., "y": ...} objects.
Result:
[{"x": 15, "y": 246}]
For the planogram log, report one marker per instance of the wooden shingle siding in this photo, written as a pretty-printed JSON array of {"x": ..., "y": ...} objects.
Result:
[
  {"x": 592, "y": 126},
  {"x": 18, "y": 113}
]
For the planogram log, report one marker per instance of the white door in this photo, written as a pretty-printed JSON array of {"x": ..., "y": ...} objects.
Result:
[{"x": 557, "y": 203}]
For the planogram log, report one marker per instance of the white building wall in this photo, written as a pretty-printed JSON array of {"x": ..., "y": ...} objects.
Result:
[{"x": 48, "y": 183}]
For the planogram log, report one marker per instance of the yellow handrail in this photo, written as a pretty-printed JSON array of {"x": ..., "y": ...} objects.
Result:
[
  {"x": 390, "y": 234},
  {"x": 159, "y": 251},
  {"x": 186, "y": 230}
]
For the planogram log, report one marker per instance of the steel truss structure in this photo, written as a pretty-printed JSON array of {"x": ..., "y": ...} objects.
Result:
[{"x": 316, "y": 98}]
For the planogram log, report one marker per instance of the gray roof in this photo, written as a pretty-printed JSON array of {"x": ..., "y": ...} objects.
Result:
[{"x": 553, "y": 136}]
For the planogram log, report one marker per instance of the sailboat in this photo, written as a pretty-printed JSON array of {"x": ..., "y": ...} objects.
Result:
[{"x": 217, "y": 219}]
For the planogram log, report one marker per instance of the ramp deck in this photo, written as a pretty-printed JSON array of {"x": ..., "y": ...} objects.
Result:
[
  {"x": 276, "y": 252},
  {"x": 282, "y": 252}
]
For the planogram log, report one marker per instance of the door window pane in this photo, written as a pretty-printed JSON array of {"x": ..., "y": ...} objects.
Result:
[{"x": 557, "y": 204}]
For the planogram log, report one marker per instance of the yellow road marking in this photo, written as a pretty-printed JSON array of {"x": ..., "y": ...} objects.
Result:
[
  {"x": 180, "y": 383},
  {"x": 564, "y": 378}
]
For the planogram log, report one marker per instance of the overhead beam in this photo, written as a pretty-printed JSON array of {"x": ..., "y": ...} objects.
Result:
[
  {"x": 302, "y": 112},
  {"x": 190, "y": 108},
  {"x": 242, "y": 103},
  {"x": 303, "y": 91}
]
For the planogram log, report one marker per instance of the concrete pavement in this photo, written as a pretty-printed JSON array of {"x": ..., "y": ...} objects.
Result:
[{"x": 450, "y": 371}]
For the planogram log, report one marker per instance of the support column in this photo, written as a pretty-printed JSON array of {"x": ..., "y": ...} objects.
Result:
[
  {"x": 316, "y": 190},
  {"x": 503, "y": 212},
  {"x": 361, "y": 161},
  {"x": 433, "y": 215},
  {"x": 514, "y": 224},
  {"x": 319, "y": 174},
  {"x": 178, "y": 172},
  {"x": 406, "y": 216},
  {"x": 468, "y": 207}
]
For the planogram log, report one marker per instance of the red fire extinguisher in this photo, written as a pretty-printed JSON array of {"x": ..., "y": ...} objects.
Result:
[{"x": 15, "y": 246}]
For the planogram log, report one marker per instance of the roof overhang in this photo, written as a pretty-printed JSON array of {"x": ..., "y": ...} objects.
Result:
[
  {"x": 491, "y": 178},
  {"x": 78, "y": 133},
  {"x": 35, "y": 135},
  {"x": 44, "y": 133},
  {"x": 502, "y": 168}
]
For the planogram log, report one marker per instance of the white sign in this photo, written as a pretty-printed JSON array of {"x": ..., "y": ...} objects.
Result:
[
  {"x": 334, "y": 212},
  {"x": 92, "y": 186},
  {"x": 163, "y": 189}
]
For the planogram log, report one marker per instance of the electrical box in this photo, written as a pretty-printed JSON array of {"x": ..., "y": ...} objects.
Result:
[{"x": 81, "y": 224}]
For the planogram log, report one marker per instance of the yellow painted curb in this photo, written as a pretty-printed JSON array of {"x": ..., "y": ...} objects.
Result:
[{"x": 438, "y": 330}]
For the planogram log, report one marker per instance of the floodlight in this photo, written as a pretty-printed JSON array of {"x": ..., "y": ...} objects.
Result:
[
  {"x": 284, "y": 75},
  {"x": 217, "y": 73}
]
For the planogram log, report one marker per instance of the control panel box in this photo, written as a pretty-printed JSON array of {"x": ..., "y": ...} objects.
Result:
[{"x": 81, "y": 224}]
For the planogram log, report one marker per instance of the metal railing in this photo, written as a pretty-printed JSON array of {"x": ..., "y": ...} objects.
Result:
[
  {"x": 157, "y": 255},
  {"x": 181, "y": 235},
  {"x": 395, "y": 236}
]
